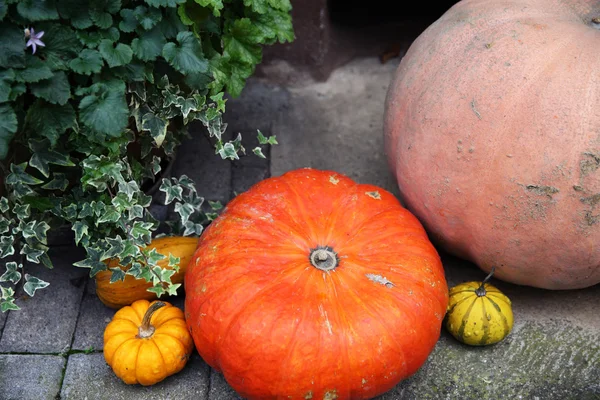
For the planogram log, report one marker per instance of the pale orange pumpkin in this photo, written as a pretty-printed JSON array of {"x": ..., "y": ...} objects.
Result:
[{"x": 492, "y": 126}]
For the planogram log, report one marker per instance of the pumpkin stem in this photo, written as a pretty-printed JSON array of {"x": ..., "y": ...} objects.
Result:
[
  {"x": 480, "y": 291},
  {"x": 146, "y": 330},
  {"x": 323, "y": 258}
]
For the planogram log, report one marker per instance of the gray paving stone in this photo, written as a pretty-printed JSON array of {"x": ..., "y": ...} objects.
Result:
[
  {"x": 337, "y": 125},
  {"x": 243, "y": 177},
  {"x": 220, "y": 389},
  {"x": 197, "y": 159},
  {"x": 46, "y": 322},
  {"x": 30, "y": 377},
  {"x": 89, "y": 377},
  {"x": 93, "y": 318}
]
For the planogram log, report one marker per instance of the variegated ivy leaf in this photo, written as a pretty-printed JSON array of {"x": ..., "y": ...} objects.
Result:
[
  {"x": 33, "y": 284},
  {"x": 129, "y": 189},
  {"x": 153, "y": 256},
  {"x": 12, "y": 274},
  {"x": 262, "y": 139},
  {"x": 187, "y": 183},
  {"x": 37, "y": 230},
  {"x": 81, "y": 229},
  {"x": 111, "y": 214},
  {"x": 121, "y": 202},
  {"x": 186, "y": 105},
  {"x": 86, "y": 210},
  {"x": 70, "y": 212},
  {"x": 172, "y": 289},
  {"x": 117, "y": 274},
  {"x": 194, "y": 200},
  {"x": 4, "y": 207},
  {"x": 136, "y": 211},
  {"x": 227, "y": 151},
  {"x": 157, "y": 126},
  {"x": 162, "y": 274},
  {"x": 184, "y": 210},
  {"x": 258, "y": 152},
  {"x": 58, "y": 182},
  {"x": 157, "y": 289},
  {"x": 4, "y": 225},
  {"x": 141, "y": 230},
  {"x": 33, "y": 253},
  {"x": 8, "y": 299},
  {"x": 22, "y": 211},
  {"x": 43, "y": 156},
  {"x": 18, "y": 175},
  {"x": 171, "y": 191},
  {"x": 93, "y": 261},
  {"x": 192, "y": 229},
  {"x": 174, "y": 262},
  {"x": 215, "y": 205},
  {"x": 6, "y": 246}
]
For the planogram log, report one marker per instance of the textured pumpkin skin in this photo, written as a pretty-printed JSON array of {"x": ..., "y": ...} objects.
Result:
[
  {"x": 277, "y": 327},
  {"x": 147, "y": 360},
  {"x": 121, "y": 293},
  {"x": 491, "y": 128},
  {"x": 478, "y": 320}
]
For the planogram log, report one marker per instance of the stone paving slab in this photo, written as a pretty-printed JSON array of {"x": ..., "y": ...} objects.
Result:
[
  {"x": 88, "y": 377},
  {"x": 337, "y": 125},
  {"x": 93, "y": 318},
  {"x": 46, "y": 322},
  {"x": 220, "y": 389},
  {"x": 30, "y": 377}
]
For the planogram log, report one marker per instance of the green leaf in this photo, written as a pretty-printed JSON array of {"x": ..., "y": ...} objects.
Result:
[
  {"x": 4, "y": 225},
  {"x": 55, "y": 90},
  {"x": 157, "y": 289},
  {"x": 129, "y": 189},
  {"x": 172, "y": 289},
  {"x": 117, "y": 274},
  {"x": 111, "y": 214},
  {"x": 33, "y": 284},
  {"x": 171, "y": 191},
  {"x": 164, "y": 3},
  {"x": 274, "y": 25},
  {"x": 22, "y": 211},
  {"x": 262, "y": 139},
  {"x": 157, "y": 127},
  {"x": 129, "y": 22},
  {"x": 89, "y": 62},
  {"x": 86, "y": 210},
  {"x": 215, "y": 205},
  {"x": 8, "y": 128},
  {"x": 171, "y": 25},
  {"x": 192, "y": 228},
  {"x": 154, "y": 257},
  {"x": 12, "y": 274},
  {"x": 6, "y": 77},
  {"x": 115, "y": 56},
  {"x": 149, "y": 45},
  {"x": 105, "y": 110},
  {"x": 215, "y": 5},
  {"x": 147, "y": 17},
  {"x": 101, "y": 18},
  {"x": 49, "y": 120},
  {"x": 43, "y": 156},
  {"x": 12, "y": 46},
  {"x": 35, "y": 70},
  {"x": 32, "y": 254},
  {"x": 241, "y": 42},
  {"x": 186, "y": 58},
  {"x": 186, "y": 105},
  {"x": 136, "y": 211},
  {"x": 3, "y": 9},
  {"x": 62, "y": 45},
  {"x": 37, "y": 10},
  {"x": 8, "y": 300}
]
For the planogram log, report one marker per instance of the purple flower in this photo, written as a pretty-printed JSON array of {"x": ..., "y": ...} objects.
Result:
[{"x": 34, "y": 39}]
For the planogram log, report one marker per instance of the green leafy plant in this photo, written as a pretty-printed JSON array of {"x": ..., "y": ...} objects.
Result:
[{"x": 95, "y": 97}]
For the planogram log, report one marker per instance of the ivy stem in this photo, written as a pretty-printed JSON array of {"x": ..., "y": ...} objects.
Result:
[
  {"x": 480, "y": 291},
  {"x": 146, "y": 329}
]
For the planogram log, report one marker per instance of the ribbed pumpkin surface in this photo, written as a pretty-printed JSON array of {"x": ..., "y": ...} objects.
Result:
[{"x": 312, "y": 286}]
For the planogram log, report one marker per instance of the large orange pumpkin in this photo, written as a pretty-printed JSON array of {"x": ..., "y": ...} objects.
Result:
[
  {"x": 312, "y": 286},
  {"x": 492, "y": 127}
]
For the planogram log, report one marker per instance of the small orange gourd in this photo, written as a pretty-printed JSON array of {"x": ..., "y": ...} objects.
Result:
[
  {"x": 122, "y": 293},
  {"x": 147, "y": 342}
]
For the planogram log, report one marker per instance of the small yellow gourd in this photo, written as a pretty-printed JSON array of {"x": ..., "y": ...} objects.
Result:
[
  {"x": 478, "y": 313},
  {"x": 146, "y": 342}
]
